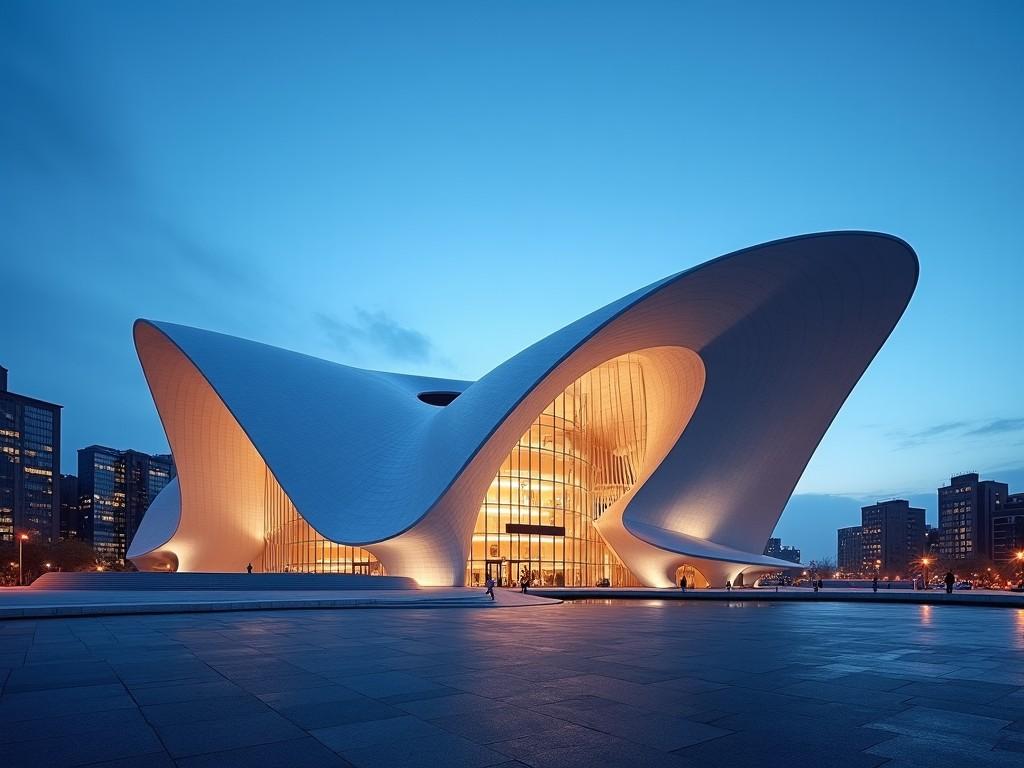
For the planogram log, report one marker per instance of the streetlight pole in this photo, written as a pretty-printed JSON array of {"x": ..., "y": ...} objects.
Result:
[
  {"x": 924, "y": 563},
  {"x": 21, "y": 542}
]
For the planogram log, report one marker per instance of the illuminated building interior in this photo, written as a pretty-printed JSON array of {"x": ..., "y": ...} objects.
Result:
[
  {"x": 292, "y": 545},
  {"x": 581, "y": 454}
]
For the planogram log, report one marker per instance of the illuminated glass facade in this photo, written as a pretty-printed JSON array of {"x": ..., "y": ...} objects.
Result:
[
  {"x": 102, "y": 505},
  {"x": 29, "y": 466},
  {"x": 581, "y": 454},
  {"x": 115, "y": 490},
  {"x": 293, "y": 545}
]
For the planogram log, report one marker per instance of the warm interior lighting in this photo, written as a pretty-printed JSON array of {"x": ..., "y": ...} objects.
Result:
[
  {"x": 292, "y": 545},
  {"x": 582, "y": 453}
]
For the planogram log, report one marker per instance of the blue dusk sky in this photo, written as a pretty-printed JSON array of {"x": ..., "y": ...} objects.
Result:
[{"x": 431, "y": 187}]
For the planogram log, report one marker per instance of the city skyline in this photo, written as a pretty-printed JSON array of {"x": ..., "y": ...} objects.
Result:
[{"x": 193, "y": 190}]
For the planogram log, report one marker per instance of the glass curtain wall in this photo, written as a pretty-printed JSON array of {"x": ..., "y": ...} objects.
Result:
[
  {"x": 38, "y": 468},
  {"x": 581, "y": 455},
  {"x": 292, "y": 545}
]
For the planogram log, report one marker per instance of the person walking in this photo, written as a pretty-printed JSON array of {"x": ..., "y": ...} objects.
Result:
[
  {"x": 248, "y": 568},
  {"x": 815, "y": 583},
  {"x": 490, "y": 587},
  {"x": 524, "y": 582},
  {"x": 874, "y": 584},
  {"x": 950, "y": 580},
  {"x": 682, "y": 583},
  {"x": 728, "y": 586}
]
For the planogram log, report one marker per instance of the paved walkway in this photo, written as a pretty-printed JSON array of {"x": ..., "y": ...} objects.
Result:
[
  {"x": 39, "y": 603},
  {"x": 682, "y": 685}
]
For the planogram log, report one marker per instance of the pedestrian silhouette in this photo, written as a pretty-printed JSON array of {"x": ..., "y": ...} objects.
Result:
[
  {"x": 490, "y": 587},
  {"x": 682, "y": 583},
  {"x": 728, "y": 586},
  {"x": 248, "y": 568},
  {"x": 950, "y": 580}
]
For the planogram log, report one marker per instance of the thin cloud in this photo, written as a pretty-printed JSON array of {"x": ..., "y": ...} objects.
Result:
[
  {"x": 913, "y": 439},
  {"x": 201, "y": 264},
  {"x": 378, "y": 332},
  {"x": 958, "y": 429},
  {"x": 938, "y": 429},
  {"x": 998, "y": 427}
]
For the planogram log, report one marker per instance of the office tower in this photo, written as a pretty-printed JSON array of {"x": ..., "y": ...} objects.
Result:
[
  {"x": 29, "y": 466},
  {"x": 116, "y": 487}
]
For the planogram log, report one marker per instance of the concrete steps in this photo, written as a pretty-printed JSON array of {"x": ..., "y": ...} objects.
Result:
[{"x": 154, "y": 581}]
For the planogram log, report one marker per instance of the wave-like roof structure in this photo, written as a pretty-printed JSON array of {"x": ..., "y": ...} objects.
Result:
[{"x": 748, "y": 358}]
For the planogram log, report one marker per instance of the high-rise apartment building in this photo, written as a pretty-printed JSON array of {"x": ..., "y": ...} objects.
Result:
[
  {"x": 889, "y": 541},
  {"x": 892, "y": 536},
  {"x": 967, "y": 507},
  {"x": 1008, "y": 531},
  {"x": 29, "y": 466},
  {"x": 115, "y": 489},
  {"x": 849, "y": 552}
]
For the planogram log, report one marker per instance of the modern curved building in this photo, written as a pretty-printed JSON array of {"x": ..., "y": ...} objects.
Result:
[{"x": 661, "y": 435}]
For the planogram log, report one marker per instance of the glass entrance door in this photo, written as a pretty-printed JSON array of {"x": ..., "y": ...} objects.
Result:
[{"x": 497, "y": 570}]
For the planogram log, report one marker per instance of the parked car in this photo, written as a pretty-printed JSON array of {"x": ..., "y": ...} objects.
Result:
[{"x": 963, "y": 585}]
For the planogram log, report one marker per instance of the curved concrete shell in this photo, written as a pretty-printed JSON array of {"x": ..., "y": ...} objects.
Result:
[{"x": 746, "y": 360}]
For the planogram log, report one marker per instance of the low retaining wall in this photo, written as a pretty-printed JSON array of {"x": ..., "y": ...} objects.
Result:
[
  {"x": 151, "y": 581},
  {"x": 768, "y": 595}
]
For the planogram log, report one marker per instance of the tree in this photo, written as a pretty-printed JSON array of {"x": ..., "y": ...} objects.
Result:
[
  {"x": 72, "y": 556},
  {"x": 821, "y": 567},
  {"x": 38, "y": 559}
]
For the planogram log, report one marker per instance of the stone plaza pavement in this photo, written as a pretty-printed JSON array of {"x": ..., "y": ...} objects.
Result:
[{"x": 640, "y": 683}]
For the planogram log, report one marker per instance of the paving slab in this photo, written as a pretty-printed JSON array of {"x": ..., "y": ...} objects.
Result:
[{"x": 653, "y": 683}]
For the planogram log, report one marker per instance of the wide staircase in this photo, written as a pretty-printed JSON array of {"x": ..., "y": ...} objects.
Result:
[{"x": 151, "y": 581}]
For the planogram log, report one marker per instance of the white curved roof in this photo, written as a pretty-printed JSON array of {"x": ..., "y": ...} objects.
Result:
[{"x": 769, "y": 342}]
